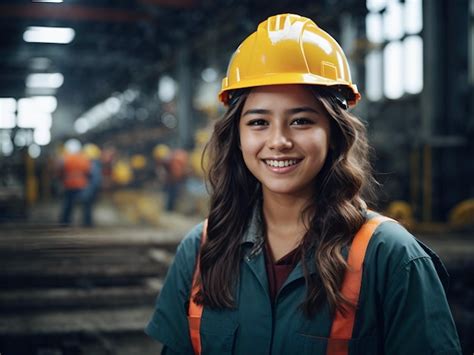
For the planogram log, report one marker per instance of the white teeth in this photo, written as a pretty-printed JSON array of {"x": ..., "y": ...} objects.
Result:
[{"x": 280, "y": 163}]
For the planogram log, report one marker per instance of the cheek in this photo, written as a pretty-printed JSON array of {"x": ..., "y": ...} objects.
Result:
[
  {"x": 319, "y": 146},
  {"x": 244, "y": 146},
  {"x": 248, "y": 143},
  {"x": 248, "y": 149}
]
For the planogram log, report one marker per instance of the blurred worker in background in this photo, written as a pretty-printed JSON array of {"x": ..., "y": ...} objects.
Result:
[
  {"x": 109, "y": 157},
  {"x": 177, "y": 174},
  {"x": 139, "y": 163},
  {"x": 161, "y": 154},
  {"x": 90, "y": 192},
  {"x": 74, "y": 172},
  {"x": 291, "y": 260}
]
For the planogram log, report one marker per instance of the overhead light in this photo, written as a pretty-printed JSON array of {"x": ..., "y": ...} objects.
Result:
[
  {"x": 209, "y": 75},
  {"x": 42, "y": 136},
  {"x": 34, "y": 151},
  {"x": 38, "y": 34},
  {"x": 23, "y": 138},
  {"x": 46, "y": 104},
  {"x": 167, "y": 88},
  {"x": 44, "y": 80},
  {"x": 7, "y": 113},
  {"x": 55, "y": 1},
  {"x": 35, "y": 112},
  {"x": 6, "y": 145},
  {"x": 169, "y": 120},
  {"x": 81, "y": 125},
  {"x": 111, "y": 107},
  {"x": 40, "y": 120}
]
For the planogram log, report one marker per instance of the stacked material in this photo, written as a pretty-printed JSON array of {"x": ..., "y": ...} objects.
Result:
[{"x": 80, "y": 287}]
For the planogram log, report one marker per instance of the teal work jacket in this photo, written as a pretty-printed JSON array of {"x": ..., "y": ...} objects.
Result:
[{"x": 402, "y": 307}]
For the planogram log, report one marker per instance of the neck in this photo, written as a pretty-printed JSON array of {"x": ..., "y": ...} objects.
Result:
[
  {"x": 279, "y": 209},
  {"x": 283, "y": 219}
]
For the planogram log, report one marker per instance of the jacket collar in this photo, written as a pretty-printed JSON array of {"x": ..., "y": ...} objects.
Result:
[
  {"x": 254, "y": 238},
  {"x": 254, "y": 232}
]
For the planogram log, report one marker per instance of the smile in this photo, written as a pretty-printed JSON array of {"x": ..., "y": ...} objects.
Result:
[{"x": 281, "y": 163}]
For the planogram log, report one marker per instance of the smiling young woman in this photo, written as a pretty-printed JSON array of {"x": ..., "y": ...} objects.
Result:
[{"x": 290, "y": 260}]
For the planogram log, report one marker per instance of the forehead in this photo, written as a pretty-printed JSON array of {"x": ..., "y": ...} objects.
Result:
[{"x": 281, "y": 96}]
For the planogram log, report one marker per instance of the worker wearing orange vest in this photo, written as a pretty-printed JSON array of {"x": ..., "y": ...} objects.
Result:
[
  {"x": 75, "y": 170},
  {"x": 293, "y": 262}
]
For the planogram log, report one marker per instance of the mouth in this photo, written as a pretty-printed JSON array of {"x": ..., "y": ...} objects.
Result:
[{"x": 281, "y": 163}]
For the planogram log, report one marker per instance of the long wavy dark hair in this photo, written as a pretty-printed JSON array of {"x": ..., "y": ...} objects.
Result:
[{"x": 334, "y": 214}]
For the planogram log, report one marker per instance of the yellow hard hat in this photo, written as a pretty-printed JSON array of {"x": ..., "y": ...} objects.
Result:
[
  {"x": 289, "y": 49},
  {"x": 91, "y": 151},
  {"x": 161, "y": 151},
  {"x": 138, "y": 161}
]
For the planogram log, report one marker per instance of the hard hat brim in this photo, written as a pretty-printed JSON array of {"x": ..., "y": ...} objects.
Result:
[{"x": 284, "y": 79}]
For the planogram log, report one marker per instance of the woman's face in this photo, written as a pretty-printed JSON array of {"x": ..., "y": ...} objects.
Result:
[{"x": 284, "y": 137}]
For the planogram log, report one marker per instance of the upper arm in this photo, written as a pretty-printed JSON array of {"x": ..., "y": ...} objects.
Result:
[
  {"x": 169, "y": 323},
  {"x": 417, "y": 318}
]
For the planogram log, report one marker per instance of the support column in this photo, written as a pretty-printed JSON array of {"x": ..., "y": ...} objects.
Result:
[
  {"x": 432, "y": 107},
  {"x": 184, "y": 98}
]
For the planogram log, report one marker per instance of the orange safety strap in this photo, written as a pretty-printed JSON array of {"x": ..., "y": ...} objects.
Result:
[
  {"x": 342, "y": 325},
  {"x": 195, "y": 310}
]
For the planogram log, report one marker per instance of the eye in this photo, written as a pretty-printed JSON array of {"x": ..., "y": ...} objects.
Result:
[
  {"x": 257, "y": 122},
  {"x": 301, "y": 122}
]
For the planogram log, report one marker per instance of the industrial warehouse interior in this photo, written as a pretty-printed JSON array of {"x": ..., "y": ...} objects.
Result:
[{"x": 130, "y": 89}]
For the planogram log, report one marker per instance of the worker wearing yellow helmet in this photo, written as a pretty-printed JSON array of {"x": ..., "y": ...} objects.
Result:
[{"x": 290, "y": 260}]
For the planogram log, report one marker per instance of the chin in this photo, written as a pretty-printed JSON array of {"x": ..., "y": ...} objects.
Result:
[{"x": 284, "y": 189}]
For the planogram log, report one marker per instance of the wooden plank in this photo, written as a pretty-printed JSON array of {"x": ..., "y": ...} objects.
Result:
[
  {"x": 62, "y": 322},
  {"x": 74, "y": 298}
]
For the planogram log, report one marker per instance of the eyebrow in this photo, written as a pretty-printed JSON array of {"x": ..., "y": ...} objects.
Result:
[{"x": 290, "y": 111}]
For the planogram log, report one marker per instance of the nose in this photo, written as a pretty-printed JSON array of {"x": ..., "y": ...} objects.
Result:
[{"x": 279, "y": 139}]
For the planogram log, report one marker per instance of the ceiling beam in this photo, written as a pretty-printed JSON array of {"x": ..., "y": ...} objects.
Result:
[
  {"x": 171, "y": 3},
  {"x": 72, "y": 12}
]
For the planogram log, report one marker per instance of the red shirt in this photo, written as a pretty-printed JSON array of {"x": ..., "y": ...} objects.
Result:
[{"x": 278, "y": 271}]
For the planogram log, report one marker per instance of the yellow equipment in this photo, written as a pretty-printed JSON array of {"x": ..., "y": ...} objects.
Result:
[
  {"x": 289, "y": 49},
  {"x": 462, "y": 215},
  {"x": 121, "y": 173},
  {"x": 402, "y": 212}
]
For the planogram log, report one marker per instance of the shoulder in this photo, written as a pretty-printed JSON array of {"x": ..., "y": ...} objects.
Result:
[
  {"x": 193, "y": 237},
  {"x": 393, "y": 251},
  {"x": 393, "y": 241},
  {"x": 189, "y": 246}
]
